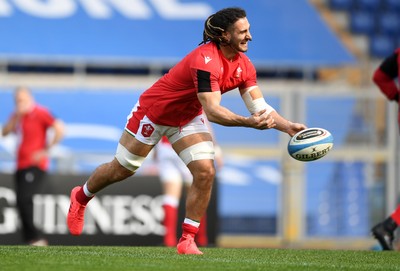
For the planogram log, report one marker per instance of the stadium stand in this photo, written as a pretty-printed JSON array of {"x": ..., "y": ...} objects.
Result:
[
  {"x": 378, "y": 20},
  {"x": 342, "y": 5},
  {"x": 388, "y": 23},
  {"x": 381, "y": 45},
  {"x": 283, "y": 48},
  {"x": 393, "y": 5},
  {"x": 362, "y": 22}
]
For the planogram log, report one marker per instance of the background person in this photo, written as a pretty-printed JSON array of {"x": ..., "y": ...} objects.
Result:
[
  {"x": 385, "y": 77},
  {"x": 173, "y": 107},
  {"x": 30, "y": 122}
]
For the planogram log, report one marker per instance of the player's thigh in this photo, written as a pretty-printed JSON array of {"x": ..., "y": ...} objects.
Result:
[
  {"x": 194, "y": 132},
  {"x": 134, "y": 146},
  {"x": 190, "y": 140},
  {"x": 130, "y": 154}
]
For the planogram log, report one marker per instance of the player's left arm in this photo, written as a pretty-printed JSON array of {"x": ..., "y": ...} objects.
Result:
[
  {"x": 57, "y": 135},
  {"x": 59, "y": 131},
  {"x": 219, "y": 114},
  {"x": 285, "y": 125},
  {"x": 11, "y": 125},
  {"x": 255, "y": 103}
]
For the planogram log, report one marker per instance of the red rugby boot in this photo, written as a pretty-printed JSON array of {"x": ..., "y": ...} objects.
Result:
[
  {"x": 76, "y": 214},
  {"x": 186, "y": 245}
]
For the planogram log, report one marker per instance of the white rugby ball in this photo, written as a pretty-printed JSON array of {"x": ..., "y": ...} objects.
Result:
[{"x": 310, "y": 144}]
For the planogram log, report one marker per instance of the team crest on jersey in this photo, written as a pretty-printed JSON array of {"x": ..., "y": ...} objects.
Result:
[
  {"x": 238, "y": 72},
  {"x": 147, "y": 130}
]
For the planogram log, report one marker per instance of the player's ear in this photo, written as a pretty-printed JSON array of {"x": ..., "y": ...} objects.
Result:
[{"x": 225, "y": 37}]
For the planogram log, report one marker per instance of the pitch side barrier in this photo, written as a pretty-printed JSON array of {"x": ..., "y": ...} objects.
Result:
[{"x": 127, "y": 213}]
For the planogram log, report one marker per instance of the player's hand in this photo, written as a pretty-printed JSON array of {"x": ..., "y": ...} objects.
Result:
[
  {"x": 294, "y": 128},
  {"x": 39, "y": 155},
  {"x": 262, "y": 121}
]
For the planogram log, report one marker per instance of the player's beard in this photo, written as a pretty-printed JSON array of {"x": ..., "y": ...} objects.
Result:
[{"x": 239, "y": 46}]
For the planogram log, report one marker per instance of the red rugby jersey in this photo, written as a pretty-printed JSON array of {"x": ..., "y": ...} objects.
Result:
[
  {"x": 172, "y": 100},
  {"x": 31, "y": 133}
]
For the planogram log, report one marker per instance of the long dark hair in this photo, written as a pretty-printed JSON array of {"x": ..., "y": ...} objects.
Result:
[{"x": 220, "y": 22}]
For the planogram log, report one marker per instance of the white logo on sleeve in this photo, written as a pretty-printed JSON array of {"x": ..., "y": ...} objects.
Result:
[{"x": 207, "y": 59}]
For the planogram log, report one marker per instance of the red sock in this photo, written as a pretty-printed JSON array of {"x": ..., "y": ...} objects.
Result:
[
  {"x": 396, "y": 215},
  {"x": 82, "y": 198},
  {"x": 201, "y": 237},
  {"x": 170, "y": 224},
  {"x": 189, "y": 230}
]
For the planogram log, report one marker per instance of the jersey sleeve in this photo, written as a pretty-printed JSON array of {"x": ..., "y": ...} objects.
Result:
[
  {"x": 251, "y": 75},
  {"x": 205, "y": 73},
  {"x": 390, "y": 66},
  {"x": 47, "y": 117},
  {"x": 385, "y": 75}
]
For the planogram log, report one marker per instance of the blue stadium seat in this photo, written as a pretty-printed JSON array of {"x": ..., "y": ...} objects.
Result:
[
  {"x": 368, "y": 5},
  {"x": 362, "y": 22},
  {"x": 381, "y": 46},
  {"x": 392, "y": 5},
  {"x": 342, "y": 5},
  {"x": 389, "y": 23}
]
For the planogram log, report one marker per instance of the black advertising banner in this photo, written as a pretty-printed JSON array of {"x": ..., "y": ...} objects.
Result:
[{"x": 126, "y": 213}]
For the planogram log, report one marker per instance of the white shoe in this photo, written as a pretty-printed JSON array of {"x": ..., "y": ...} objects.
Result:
[{"x": 39, "y": 243}]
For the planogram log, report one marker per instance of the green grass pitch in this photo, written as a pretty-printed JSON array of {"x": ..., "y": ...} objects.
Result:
[{"x": 107, "y": 258}]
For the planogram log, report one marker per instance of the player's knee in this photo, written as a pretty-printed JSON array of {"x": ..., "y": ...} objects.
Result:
[
  {"x": 203, "y": 176},
  {"x": 112, "y": 172},
  {"x": 206, "y": 173},
  {"x": 200, "y": 151},
  {"x": 128, "y": 160},
  {"x": 120, "y": 172}
]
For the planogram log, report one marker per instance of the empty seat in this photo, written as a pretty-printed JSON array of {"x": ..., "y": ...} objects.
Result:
[
  {"x": 381, "y": 46},
  {"x": 392, "y": 5},
  {"x": 342, "y": 5},
  {"x": 362, "y": 22},
  {"x": 389, "y": 23},
  {"x": 368, "y": 5}
]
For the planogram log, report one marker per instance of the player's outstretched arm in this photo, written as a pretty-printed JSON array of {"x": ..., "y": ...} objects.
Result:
[
  {"x": 256, "y": 104},
  {"x": 285, "y": 125},
  {"x": 223, "y": 116}
]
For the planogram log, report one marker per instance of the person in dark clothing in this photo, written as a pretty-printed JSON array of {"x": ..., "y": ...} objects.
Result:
[{"x": 385, "y": 77}]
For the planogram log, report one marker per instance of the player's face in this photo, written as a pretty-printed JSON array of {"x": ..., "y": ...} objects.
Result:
[
  {"x": 23, "y": 101},
  {"x": 240, "y": 35}
]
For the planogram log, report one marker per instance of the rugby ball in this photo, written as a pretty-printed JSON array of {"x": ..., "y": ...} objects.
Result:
[{"x": 310, "y": 144}]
